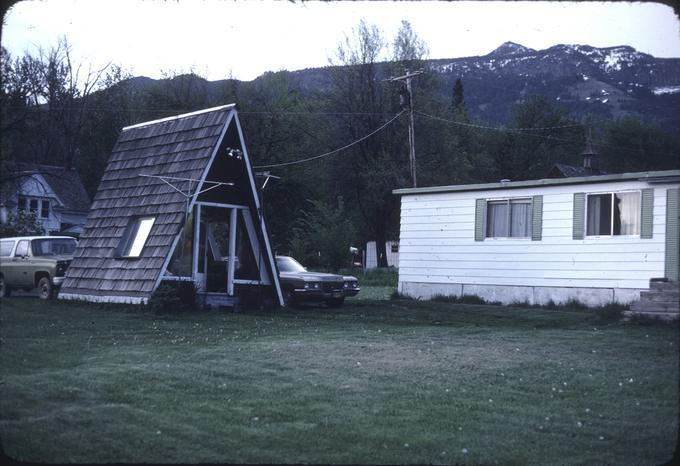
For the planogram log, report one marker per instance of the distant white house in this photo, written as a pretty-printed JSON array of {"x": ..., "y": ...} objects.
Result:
[
  {"x": 596, "y": 239},
  {"x": 371, "y": 254},
  {"x": 55, "y": 194}
]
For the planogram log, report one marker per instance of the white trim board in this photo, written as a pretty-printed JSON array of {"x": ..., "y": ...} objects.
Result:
[{"x": 176, "y": 117}]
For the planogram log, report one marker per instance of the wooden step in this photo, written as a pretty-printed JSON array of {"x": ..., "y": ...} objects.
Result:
[
  {"x": 218, "y": 300},
  {"x": 641, "y": 306},
  {"x": 668, "y": 285},
  {"x": 660, "y": 296}
]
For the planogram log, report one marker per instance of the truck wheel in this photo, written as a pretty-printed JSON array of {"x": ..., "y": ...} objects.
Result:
[
  {"x": 45, "y": 289},
  {"x": 4, "y": 289}
]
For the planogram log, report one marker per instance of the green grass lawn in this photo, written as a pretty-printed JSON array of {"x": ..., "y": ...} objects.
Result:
[{"x": 375, "y": 382}]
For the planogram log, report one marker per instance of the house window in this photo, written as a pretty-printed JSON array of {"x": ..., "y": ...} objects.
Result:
[
  {"x": 33, "y": 205},
  {"x": 613, "y": 214},
  {"x": 508, "y": 218},
  {"x": 21, "y": 205},
  {"x": 45, "y": 209},
  {"x": 135, "y": 236}
]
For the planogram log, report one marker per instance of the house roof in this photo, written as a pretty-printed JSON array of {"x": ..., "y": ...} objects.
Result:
[
  {"x": 181, "y": 147},
  {"x": 65, "y": 183},
  {"x": 652, "y": 177},
  {"x": 562, "y": 170}
]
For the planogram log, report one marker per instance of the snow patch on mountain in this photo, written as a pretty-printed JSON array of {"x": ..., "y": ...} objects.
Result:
[
  {"x": 666, "y": 90},
  {"x": 613, "y": 62}
]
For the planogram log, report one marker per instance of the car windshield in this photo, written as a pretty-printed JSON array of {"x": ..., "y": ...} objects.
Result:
[
  {"x": 52, "y": 247},
  {"x": 288, "y": 264}
]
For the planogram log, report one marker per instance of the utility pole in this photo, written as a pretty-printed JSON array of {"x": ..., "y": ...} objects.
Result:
[{"x": 411, "y": 135}]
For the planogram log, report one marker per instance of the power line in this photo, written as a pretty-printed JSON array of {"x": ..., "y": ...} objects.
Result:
[
  {"x": 495, "y": 128},
  {"x": 308, "y": 159}
]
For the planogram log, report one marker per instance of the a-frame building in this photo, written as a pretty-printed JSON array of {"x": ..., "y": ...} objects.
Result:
[{"x": 178, "y": 201}]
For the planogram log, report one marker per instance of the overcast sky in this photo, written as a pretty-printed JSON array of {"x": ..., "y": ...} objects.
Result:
[{"x": 245, "y": 38}]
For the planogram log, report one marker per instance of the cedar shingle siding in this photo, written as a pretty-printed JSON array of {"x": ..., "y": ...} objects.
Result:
[{"x": 180, "y": 147}]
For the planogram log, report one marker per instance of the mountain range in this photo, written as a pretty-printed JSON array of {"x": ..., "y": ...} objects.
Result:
[{"x": 582, "y": 80}]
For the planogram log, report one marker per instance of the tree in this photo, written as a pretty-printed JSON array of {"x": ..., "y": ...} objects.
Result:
[
  {"x": 627, "y": 144},
  {"x": 366, "y": 174},
  {"x": 48, "y": 97},
  {"x": 458, "y": 101},
  {"x": 281, "y": 126},
  {"x": 21, "y": 224},
  {"x": 323, "y": 235},
  {"x": 408, "y": 50},
  {"x": 537, "y": 137}
]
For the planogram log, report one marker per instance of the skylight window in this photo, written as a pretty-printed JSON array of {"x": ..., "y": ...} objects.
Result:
[{"x": 135, "y": 236}]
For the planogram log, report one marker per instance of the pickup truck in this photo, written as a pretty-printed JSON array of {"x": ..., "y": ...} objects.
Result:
[{"x": 29, "y": 262}]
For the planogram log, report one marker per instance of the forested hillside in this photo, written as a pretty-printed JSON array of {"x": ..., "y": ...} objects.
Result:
[{"x": 511, "y": 114}]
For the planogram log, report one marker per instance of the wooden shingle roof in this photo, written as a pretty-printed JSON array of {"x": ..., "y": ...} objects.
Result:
[{"x": 181, "y": 147}]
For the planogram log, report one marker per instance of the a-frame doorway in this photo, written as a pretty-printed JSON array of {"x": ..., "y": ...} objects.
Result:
[
  {"x": 219, "y": 250},
  {"x": 227, "y": 249}
]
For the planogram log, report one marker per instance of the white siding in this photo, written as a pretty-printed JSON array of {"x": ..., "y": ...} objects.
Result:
[
  {"x": 437, "y": 243},
  {"x": 36, "y": 187}
]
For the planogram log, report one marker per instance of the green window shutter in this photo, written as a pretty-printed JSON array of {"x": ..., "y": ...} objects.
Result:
[
  {"x": 673, "y": 234},
  {"x": 537, "y": 218},
  {"x": 579, "y": 215},
  {"x": 647, "y": 213},
  {"x": 480, "y": 217}
]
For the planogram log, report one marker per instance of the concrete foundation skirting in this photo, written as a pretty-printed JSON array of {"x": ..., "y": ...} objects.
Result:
[{"x": 507, "y": 294}]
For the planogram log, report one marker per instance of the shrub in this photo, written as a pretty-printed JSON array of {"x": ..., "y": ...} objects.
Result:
[
  {"x": 464, "y": 299},
  {"x": 397, "y": 295},
  {"x": 21, "y": 224},
  {"x": 611, "y": 311},
  {"x": 175, "y": 296}
]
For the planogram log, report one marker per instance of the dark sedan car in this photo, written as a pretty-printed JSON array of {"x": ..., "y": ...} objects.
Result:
[{"x": 300, "y": 285}]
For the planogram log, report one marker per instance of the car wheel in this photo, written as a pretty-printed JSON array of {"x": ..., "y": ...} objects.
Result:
[
  {"x": 335, "y": 302},
  {"x": 4, "y": 289},
  {"x": 45, "y": 289}
]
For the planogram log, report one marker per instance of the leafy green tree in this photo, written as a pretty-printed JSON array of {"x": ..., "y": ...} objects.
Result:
[
  {"x": 458, "y": 100},
  {"x": 281, "y": 126},
  {"x": 366, "y": 173},
  {"x": 537, "y": 137},
  {"x": 323, "y": 235},
  {"x": 629, "y": 145}
]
